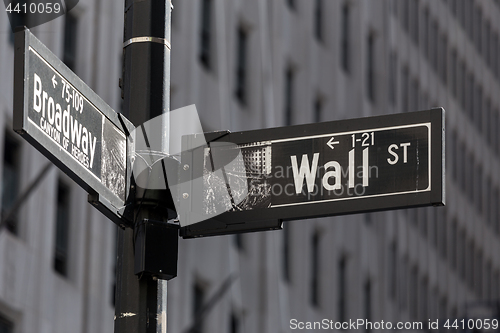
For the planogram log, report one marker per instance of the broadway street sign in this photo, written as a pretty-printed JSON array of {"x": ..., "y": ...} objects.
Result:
[
  {"x": 63, "y": 118},
  {"x": 315, "y": 170}
]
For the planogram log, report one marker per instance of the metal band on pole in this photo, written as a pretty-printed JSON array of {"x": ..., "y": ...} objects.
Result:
[
  {"x": 141, "y": 300},
  {"x": 147, "y": 39}
]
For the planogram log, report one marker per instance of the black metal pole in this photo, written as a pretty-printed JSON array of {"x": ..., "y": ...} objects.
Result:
[{"x": 146, "y": 93}]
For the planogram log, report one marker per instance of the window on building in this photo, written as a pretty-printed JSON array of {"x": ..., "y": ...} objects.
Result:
[
  {"x": 6, "y": 326},
  {"x": 405, "y": 87},
  {"x": 318, "y": 20},
  {"x": 443, "y": 66},
  {"x": 496, "y": 214},
  {"x": 487, "y": 41},
  {"x": 70, "y": 40},
  {"x": 423, "y": 99},
  {"x": 433, "y": 225},
  {"x": 453, "y": 72},
  {"x": 461, "y": 164},
  {"x": 392, "y": 272},
  {"x": 206, "y": 33},
  {"x": 318, "y": 109},
  {"x": 469, "y": 176},
  {"x": 462, "y": 85},
  {"x": 198, "y": 302},
  {"x": 478, "y": 188},
  {"x": 342, "y": 289},
  {"x": 414, "y": 95},
  {"x": 442, "y": 308},
  {"x": 494, "y": 55},
  {"x": 10, "y": 180},
  {"x": 393, "y": 66},
  {"x": 488, "y": 123},
  {"x": 412, "y": 216},
  {"x": 413, "y": 288},
  {"x": 425, "y": 33},
  {"x": 487, "y": 281},
  {"x": 461, "y": 12},
  {"x": 370, "y": 67},
  {"x": 414, "y": 17},
  {"x": 495, "y": 123},
  {"x": 478, "y": 274},
  {"x": 423, "y": 221},
  {"x": 234, "y": 324},
  {"x": 453, "y": 152},
  {"x": 423, "y": 300},
  {"x": 433, "y": 41},
  {"x": 289, "y": 91},
  {"x": 315, "y": 274},
  {"x": 403, "y": 283},
  {"x": 286, "y": 253},
  {"x": 478, "y": 112},
  {"x": 453, "y": 7},
  {"x": 442, "y": 230},
  {"x": 345, "y": 33},
  {"x": 367, "y": 290},
  {"x": 238, "y": 241},
  {"x": 241, "y": 65},
  {"x": 405, "y": 17},
  {"x": 478, "y": 19},
  {"x": 394, "y": 7},
  {"x": 453, "y": 244},
  {"x": 469, "y": 10},
  {"x": 469, "y": 96},
  {"x": 461, "y": 254},
  {"x": 495, "y": 291},
  {"x": 62, "y": 229},
  {"x": 432, "y": 310},
  {"x": 487, "y": 202},
  {"x": 469, "y": 263}
]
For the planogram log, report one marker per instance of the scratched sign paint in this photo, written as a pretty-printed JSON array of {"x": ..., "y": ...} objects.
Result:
[
  {"x": 314, "y": 170},
  {"x": 69, "y": 123}
]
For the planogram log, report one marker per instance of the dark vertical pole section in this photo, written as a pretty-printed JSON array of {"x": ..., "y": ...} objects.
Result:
[
  {"x": 146, "y": 93},
  {"x": 146, "y": 74}
]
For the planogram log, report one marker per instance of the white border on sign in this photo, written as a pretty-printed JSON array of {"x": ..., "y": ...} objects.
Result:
[
  {"x": 89, "y": 102},
  {"x": 428, "y": 125}
]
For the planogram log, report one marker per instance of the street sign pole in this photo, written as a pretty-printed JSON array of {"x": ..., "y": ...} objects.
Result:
[{"x": 141, "y": 300}]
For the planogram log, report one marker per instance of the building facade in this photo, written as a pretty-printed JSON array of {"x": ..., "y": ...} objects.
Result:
[{"x": 259, "y": 64}]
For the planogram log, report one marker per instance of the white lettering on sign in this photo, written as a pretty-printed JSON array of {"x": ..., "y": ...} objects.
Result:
[
  {"x": 366, "y": 171},
  {"x": 309, "y": 172},
  {"x": 54, "y": 121},
  {"x": 395, "y": 154},
  {"x": 336, "y": 174},
  {"x": 405, "y": 151}
]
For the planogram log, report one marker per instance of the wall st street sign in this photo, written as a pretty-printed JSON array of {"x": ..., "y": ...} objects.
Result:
[
  {"x": 63, "y": 118},
  {"x": 231, "y": 182},
  {"x": 315, "y": 170}
]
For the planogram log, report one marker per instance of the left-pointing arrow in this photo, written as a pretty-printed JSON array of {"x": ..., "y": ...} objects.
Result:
[
  {"x": 54, "y": 82},
  {"x": 330, "y": 143}
]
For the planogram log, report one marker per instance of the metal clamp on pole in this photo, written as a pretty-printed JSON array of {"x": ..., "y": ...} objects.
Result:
[
  {"x": 156, "y": 249},
  {"x": 147, "y": 39}
]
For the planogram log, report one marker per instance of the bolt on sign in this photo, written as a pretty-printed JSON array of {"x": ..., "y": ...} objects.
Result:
[
  {"x": 333, "y": 168},
  {"x": 71, "y": 125}
]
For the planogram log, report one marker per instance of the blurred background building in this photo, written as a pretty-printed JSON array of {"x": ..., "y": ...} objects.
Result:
[{"x": 265, "y": 63}]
